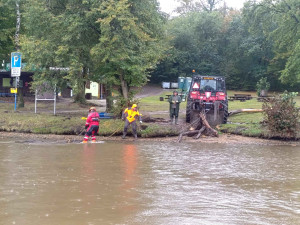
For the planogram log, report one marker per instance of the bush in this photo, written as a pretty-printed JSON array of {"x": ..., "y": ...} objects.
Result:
[
  {"x": 282, "y": 116},
  {"x": 261, "y": 85}
]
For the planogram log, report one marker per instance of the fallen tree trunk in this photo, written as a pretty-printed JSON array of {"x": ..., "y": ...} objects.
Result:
[
  {"x": 244, "y": 110},
  {"x": 200, "y": 127}
]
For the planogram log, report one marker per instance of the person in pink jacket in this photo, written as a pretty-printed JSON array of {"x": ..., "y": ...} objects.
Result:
[{"x": 92, "y": 125}]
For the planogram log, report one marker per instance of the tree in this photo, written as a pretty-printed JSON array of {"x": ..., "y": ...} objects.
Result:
[
  {"x": 282, "y": 116},
  {"x": 63, "y": 38},
  {"x": 246, "y": 55},
  {"x": 131, "y": 42},
  {"x": 7, "y": 29},
  {"x": 197, "y": 5},
  {"x": 196, "y": 44},
  {"x": 279, "y": 20}
]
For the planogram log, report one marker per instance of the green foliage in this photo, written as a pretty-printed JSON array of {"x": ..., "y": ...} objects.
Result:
[
  {"x": 282, "y": 116},
  {"x": 131, "y": 41},
  {"x": 62, "y": 38},
  {"x": 154, "y": 130},
  {"x": 122, "y": 103},
  {"x": 196, "y": 39},
  {"x": 260, "y": 41},
  {"x": 262, "y": 84},
  {"x": 7, "y": 29},
  {"x": 251, "y": 130},
  {"x": 291, "y": 73},
  {"x": 279, "y": 21}
]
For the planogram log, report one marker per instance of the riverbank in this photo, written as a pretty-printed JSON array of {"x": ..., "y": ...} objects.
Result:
[
  {"x": 69, "y": 139},
  {"x": 67, "y": 120}
]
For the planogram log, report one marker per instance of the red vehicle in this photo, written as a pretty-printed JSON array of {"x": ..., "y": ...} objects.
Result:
[{"x": 207, "y": 93}]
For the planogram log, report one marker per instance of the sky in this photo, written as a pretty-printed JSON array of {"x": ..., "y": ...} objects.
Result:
[{"x": 169, "y": 5}]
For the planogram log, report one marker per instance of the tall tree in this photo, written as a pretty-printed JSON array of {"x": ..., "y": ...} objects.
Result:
[
  {"x": 280, "y": 22},
  {"x": 131, "y": 42},
  {"x": 197, "y": 5},
  {"x": 7, "y": 29},
  {"x": 195, "y": 38},
  {"x": 63, "y": 38}
]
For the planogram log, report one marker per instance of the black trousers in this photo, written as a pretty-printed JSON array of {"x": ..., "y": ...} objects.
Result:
[
  {"x": 174, "y": 112},
  {"x": 93, "y": 130},
  {"x": 133, "y": 126}
]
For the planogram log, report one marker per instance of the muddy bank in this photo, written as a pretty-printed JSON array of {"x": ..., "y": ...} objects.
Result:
[{"x": 222, "y": 139}]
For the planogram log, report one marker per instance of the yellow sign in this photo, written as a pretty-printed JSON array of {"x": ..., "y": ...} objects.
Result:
[
  {"x": 14, "y": 90},
  {"x": 208, "y": 78}
]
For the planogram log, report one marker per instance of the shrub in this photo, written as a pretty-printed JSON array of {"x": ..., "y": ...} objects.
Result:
[
  {"x": 262, "y": 84},
  {"x": 282, "y": 116}
]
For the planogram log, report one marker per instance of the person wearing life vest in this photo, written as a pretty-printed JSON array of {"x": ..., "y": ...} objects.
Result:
[
  {"x": 92, "y": 125},
  {"x": 174, "y": 101},
  {"x": 130, "y": 115}
]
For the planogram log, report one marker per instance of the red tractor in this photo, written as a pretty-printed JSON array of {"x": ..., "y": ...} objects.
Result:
[{"x": 208, "y": 94}]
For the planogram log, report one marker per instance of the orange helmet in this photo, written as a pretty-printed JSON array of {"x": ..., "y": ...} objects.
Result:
[{"x": 92, "y": 109}]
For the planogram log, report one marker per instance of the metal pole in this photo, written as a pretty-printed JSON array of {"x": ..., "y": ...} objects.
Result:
[
  {"x": 54, "y": 99},
  {"x": 16, "y": 88},
  {"x": 15, "y": 101},
  {"x": 35, "y": 100}
]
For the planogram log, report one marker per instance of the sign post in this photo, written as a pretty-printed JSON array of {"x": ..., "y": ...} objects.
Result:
[{"x": 15, "y": 68}]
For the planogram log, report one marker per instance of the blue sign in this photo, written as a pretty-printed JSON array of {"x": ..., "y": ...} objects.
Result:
[{"x": 16, "y": 60}]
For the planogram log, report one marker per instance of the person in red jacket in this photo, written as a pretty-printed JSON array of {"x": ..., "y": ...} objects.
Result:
[{"x": 92, "y": 125}]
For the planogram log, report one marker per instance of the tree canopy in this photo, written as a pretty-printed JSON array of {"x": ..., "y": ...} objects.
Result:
[
  {"x": 122, "y": 42},
  {"x": 131, "y": 41},
  {"x": 261, "y": 40},
  {"x": 7, "y": 29}
]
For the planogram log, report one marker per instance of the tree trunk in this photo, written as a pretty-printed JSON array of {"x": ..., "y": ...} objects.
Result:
[
  {"x": 109, "y": 98},
  {"x": 244, "y": 110},
  {"x": 18, "y": 25},
  {"x": 124, "y": 86},
  {"x": 201, "y": 126},
  {"x": 80, "y": 92}
]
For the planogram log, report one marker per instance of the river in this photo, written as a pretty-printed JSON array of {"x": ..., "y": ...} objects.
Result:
[{"x": 149, "y": 183}]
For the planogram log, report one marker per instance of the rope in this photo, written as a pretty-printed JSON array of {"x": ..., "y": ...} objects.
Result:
[{"x": 118, "y": 129}]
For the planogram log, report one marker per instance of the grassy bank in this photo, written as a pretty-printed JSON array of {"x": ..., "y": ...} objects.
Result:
[
  {"x": 68, "y": 119},
  {"x": 248, "y": 124}
]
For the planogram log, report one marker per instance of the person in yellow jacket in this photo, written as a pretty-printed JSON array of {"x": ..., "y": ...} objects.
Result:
[{"x": 130, "y": 115}]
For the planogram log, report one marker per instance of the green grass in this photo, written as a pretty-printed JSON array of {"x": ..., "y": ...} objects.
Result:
[
  {"x": 246, "y": 118},
  {"x": 157, "y": 108},
  {"x": 248, "y": 104},
  {"x": 251, "y": 130},
  {"x": 25, "y": 120}
]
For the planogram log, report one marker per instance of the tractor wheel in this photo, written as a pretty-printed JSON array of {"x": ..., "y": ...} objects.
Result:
[
  {"x": 188, "y": 111},
  {"x": 194, "y": 117},
  {"x": 226, "y": 114}
]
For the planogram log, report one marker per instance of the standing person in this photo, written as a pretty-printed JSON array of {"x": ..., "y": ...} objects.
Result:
[
  {"x": 130, "y": 115},
  {"x": 92, "y": 125},
  {"x": 174, "y": 101}
]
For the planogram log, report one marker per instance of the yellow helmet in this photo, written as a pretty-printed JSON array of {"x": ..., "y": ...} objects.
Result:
[
  {"x": 92, "y": 109},
  {"x": 134, "y": 106}
]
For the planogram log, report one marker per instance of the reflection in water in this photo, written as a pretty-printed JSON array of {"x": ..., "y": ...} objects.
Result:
[
  {"x": 88, "y": 167},
  {"x": 149, "y": 183},
  {"x": 128, "y": 187}
]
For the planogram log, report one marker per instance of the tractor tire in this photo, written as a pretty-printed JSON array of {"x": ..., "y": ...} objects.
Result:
[
  {"x": 194, "y": 117},
  {"x": 226, "y": 114},
  {"x": 188, "y": 111}
]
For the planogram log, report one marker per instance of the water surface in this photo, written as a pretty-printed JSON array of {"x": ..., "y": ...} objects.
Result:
[{"x": 148, "y": 183}]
